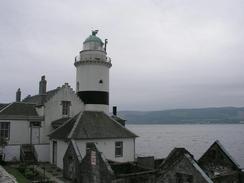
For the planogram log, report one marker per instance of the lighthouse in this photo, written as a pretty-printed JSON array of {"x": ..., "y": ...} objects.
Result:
[{"x": 92, "y": 74}]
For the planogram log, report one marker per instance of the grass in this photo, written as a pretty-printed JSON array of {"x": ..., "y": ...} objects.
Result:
[{"x": 19, "y": 177}]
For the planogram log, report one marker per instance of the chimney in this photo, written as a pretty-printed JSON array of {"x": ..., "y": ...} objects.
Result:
[
  {"x": 42, "y": 86},
  {"x": 18, "y": 95},
  {"x": 115, "y": 110}
]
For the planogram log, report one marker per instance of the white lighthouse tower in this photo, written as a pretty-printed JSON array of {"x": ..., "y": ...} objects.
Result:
[{"x": 92, "y": 74}]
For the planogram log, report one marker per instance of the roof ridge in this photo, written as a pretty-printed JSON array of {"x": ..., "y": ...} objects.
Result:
[
  {"x": 77, "y": 150},
  {"x": 224, "y": 150},
  {"x": 74, "y": 126},
  {"x": 5, "y": 107},
  {"x": 198, "y": 168},
  {"x": 62, "y": 125},
  {"x": 227, "y": 153}
]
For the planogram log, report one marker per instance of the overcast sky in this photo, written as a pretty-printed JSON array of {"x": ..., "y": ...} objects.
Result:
[{"x": 166, "y": 54}]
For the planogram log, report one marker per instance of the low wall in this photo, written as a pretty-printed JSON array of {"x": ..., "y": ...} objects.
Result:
[
  {"x": 12, "y": 153},
  {"x": 42, "y": 152}
]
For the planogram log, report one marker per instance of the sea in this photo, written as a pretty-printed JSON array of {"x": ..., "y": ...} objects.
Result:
[{"x": 159, "y": 140}]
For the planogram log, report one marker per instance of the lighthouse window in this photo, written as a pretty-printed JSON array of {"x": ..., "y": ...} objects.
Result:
[
  {"x": 118, "y": 149},
  {"x": 66, "y": 107},
  {"x": 101, "y": 82}
]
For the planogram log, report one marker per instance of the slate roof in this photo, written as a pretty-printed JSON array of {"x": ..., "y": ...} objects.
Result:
[
  {"x": 91, "y": 125},
  {"x": 225, "y": 152},
  {"x": 40, "y": 99},
  {"x": 57, "y": 123},
  {"x": 176, "y": 155},
  {"x": 3, "y": 106},
  {"x": 173, "y": 156},
  {"x": 63, "y": 131},
  {"x": 18, "y": 110}
]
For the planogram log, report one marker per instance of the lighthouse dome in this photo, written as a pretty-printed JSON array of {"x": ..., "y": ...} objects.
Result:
[{"x": 93, "y": 42}]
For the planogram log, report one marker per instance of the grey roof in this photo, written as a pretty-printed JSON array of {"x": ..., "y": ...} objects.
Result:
[
  {"x": 91, "y": 125},
  {"x": 175, "y": 155},
  {"x": 40, "y": 99},
  {"x": 225, "y": 152},
  {"x": 19, "y": 110},
  {"x": 73, "y": 144},
  {"x": 3, "y": 106},
  {"x": 57, "y": 123},
  {"x": 63, "y": 131}
]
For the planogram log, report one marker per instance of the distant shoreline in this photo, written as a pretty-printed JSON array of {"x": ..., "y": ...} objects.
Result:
[
  {"x": 217, "y": 115},
  {"x": 184, "y": 123}
]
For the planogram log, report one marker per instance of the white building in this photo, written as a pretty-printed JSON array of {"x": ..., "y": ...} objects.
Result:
[{"x": 63, "y": 115}]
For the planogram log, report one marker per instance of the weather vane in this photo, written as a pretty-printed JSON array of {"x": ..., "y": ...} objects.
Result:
[{"x": 94, "y": 32}]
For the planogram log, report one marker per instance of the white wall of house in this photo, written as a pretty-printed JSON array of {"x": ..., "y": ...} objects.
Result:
[
  {"x": 107, "y": 147},
  {"x": 19, "y": 131},
  {"x": 42, "y": 152},
  {"x": 53, "y": 108},
  {"x": 61, "y": 149}
]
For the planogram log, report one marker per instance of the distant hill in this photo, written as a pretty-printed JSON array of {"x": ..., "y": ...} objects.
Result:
[{"x": 179, "y": 116}]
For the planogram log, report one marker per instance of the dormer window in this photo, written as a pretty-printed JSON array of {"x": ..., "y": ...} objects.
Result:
[{"x": 66, "y": 108}]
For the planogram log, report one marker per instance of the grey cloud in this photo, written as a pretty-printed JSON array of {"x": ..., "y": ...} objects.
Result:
[{"x": 165, "y": 54}]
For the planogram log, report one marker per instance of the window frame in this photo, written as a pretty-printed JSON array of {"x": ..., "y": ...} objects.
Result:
[
  {"x": 6, "y": 129},
  {"x": 66, "y": 107},
  {"x": 118, "y": 149}
]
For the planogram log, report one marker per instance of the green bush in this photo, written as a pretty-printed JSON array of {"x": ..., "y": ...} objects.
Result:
[{"x": 22, "y": 168}]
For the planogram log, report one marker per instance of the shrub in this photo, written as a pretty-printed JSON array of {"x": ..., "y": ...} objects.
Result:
[{"x": 22, "y": 168}]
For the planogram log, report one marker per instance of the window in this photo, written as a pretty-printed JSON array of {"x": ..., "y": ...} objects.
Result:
[
  {"x": 66, "y": 107},
  {"x": 4, "y": 129},
  {"x": 118, "y": 149}
]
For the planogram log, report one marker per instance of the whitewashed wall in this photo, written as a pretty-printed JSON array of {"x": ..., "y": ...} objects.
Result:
[
  {"x": 107, "y": 147},
  {"x": 53, "y": 108},
  {"x": 12, "y": 153},
  {"x": 89, "y": 75},
  {"x": 19, "y": 131},
  {"x": 61, "y": 149},
  {"x": 42, "y": 152}
]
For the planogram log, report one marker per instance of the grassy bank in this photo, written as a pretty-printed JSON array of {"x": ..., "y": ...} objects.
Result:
[{"x": 19, "y": 177}]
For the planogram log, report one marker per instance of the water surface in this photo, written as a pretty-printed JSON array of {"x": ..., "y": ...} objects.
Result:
[{"x": 159, "y": 140}]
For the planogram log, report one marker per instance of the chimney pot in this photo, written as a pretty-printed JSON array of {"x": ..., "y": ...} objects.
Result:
[
  {"x": 115, "y": 110},
  {"x": 18, "y": 95},
  {"x": 42, "y": 86}
]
